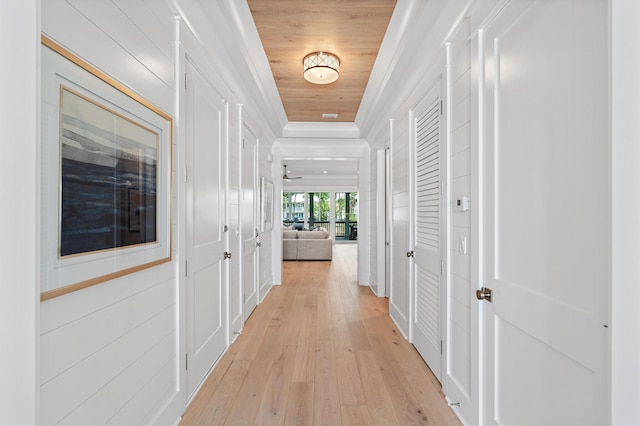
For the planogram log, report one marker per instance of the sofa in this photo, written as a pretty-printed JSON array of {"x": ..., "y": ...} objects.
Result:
[{"x": 306, "y": 245}]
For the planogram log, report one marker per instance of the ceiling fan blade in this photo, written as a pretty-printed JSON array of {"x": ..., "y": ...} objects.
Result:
[{"x": 287, "y": 178}]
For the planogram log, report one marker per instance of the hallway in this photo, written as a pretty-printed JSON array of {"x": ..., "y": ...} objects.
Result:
[{"x": 320, "y": 350}]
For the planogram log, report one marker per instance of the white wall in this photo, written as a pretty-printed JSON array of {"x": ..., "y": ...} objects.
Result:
[
  {"x": 461, "y": 359},
  {"x": 625, "y": 325},
  {"x": 19, "y": 109},
  {"x": 109, "y": 353}
]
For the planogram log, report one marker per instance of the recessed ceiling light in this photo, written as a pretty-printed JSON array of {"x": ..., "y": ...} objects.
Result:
[
  {"x": 329, "y": 115},
  {"x": 324, "y": 171}
]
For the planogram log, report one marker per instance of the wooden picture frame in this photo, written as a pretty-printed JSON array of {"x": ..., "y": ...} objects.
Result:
[{"x": 106, "y": 177}]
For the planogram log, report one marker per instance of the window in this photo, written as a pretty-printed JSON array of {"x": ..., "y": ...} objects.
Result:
[{"x": 346, "y": 215}]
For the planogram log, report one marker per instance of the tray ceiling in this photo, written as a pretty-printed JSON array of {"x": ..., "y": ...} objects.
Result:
[{"x": 353, "y": 30}]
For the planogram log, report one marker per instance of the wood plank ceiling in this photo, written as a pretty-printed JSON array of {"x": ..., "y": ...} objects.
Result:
[{"x": 351, "y": 29}]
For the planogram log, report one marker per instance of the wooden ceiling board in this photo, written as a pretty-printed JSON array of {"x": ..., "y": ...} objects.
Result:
[{"x": 351, "y": 29}]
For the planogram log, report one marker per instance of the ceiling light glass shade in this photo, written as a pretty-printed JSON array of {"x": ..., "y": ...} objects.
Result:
[{"x": 321, "y": 67}]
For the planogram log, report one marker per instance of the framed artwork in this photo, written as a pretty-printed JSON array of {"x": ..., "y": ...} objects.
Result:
[
  {"x": 266, "y": 204},
  {"x": 106, "y": 187}
]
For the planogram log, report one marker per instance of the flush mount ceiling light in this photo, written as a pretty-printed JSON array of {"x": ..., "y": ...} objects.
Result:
[{"x": 321, "y": 67}]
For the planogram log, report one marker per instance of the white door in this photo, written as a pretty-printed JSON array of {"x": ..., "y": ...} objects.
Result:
[
  {"x": 387, "y": 221},
  {"x": 205, "y": 199},
  {"x": 248, "y": 209},
  {"x": 426, "y": 330},
  {"x": 235, "y": 237},
  {"x": 399, "y": 306},
  {"x": 545, "y": 218}
]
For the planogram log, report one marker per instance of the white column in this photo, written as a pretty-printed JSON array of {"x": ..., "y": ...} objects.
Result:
[{"x": 19, "y": 120}]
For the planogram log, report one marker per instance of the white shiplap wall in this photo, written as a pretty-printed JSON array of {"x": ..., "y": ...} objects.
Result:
[
  {"x": 459, "y": 383},
  {"x": 108, "y": 353}
]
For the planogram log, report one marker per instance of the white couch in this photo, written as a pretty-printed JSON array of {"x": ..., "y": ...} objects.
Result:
[{"x": 306, "y": 245}]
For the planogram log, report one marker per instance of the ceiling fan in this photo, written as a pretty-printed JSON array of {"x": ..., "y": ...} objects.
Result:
[{"x": 286, "y": 178}]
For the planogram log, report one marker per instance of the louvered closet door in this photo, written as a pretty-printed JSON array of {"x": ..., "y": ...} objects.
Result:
[{"x": 427, "y": 235}]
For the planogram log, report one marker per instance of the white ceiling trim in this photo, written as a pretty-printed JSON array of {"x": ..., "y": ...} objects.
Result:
[
  {"x": 329, "y": 149},
  {"x": 298, "y": 129}
]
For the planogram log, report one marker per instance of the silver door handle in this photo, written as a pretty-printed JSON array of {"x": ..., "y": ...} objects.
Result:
[{"x": 484, "y": 294}]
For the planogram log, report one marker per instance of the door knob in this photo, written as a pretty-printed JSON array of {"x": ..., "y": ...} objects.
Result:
[
  {"x": 484, "y": 294},
  {"x": 410, "y": 253},
  {"x": 227, "y": 255}
]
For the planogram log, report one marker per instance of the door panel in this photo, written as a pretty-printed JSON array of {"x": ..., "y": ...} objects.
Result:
[
  {"x": 399, "y": 308},
  {"x": 205, "y": 292},
  {"x": 427, "y": 245},
  {"x": 249, "y": 225},
  {"x": 545, "y": 214}
]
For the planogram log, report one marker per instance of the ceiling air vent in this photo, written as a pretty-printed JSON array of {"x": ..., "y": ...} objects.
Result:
[{"x": 329, "y": 115}]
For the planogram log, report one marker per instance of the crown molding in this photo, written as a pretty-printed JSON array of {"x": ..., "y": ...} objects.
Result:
[{"x": 315, "y": 130}]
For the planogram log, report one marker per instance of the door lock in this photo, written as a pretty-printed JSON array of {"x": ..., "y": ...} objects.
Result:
[
  {"x": 484, "y": 294},
  {"x": 227, "y": 255}
]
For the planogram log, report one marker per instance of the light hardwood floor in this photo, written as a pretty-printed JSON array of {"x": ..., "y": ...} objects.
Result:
[{"x": 320, "y": 350}]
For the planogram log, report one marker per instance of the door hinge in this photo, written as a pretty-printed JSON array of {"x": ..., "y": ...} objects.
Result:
[
  {"x": 441, "y": 107},
  {"x": 186, "y": 267},
  {"x": 186, "y": 361},
  {"x": 441, "y": 187},
  {"x": 441, "y": 266},
  {"x": 484, "y": 294},
  {"x": 440, "y": 347},
  {"x": 185, "y": 81},
  {"x": 185, "y": 175}
]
